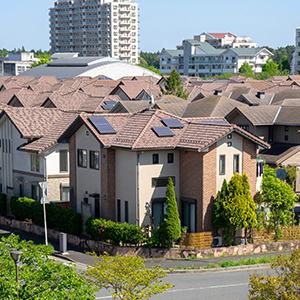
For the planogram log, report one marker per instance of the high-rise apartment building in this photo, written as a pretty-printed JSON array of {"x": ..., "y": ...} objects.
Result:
[
  {"x": 96, "y": 28},
  {"x": 296, "y": 58}
]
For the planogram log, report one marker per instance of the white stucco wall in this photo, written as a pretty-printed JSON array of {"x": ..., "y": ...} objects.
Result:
[
  {"x": 53, "y": 159},
  {"x": 87, "y": 179},
  {"x": 229, "y": 152}
]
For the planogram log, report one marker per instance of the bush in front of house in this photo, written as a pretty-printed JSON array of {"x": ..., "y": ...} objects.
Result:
[
  {"x": 58, "y": 218},
  {"x": 116, "y": 233},
  {"x": 3, "y": 200}
]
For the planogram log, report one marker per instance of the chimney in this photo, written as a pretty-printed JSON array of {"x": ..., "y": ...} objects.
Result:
[
  {"x": 218, "y": 92},
  {"x": 152, "y": 102},
  {"x": 261, "y": 95}
]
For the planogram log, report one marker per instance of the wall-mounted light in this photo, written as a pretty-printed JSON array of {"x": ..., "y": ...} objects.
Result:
[
  {"x": 229, "y": 144},
  {"x": 229, "y": 136}
]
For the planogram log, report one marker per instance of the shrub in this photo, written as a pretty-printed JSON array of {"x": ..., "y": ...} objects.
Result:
[
  {"x": 58, "y": 218},
  {"x": 3, "y": 204},
  {"x": 117, "y": 233}
]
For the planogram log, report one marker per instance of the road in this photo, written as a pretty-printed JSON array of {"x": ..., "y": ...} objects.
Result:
[{"x": 225, "y": 285}]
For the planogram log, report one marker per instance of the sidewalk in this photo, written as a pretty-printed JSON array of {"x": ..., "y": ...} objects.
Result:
[{"x": 77, "y": 257}]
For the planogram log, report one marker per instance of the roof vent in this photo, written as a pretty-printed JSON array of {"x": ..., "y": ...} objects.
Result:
[
  {"x": 218, "y": 92},
  {"x": 261, "y": 95}
]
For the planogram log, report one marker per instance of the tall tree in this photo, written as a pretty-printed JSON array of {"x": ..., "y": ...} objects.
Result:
[
  {"x": 170, "y": 230},
  {"x": 152, "y": 58},
  {"x": 128, "y": 278},
  {"x": 284, "y": 64},
  {"x": 270, "y": 68},
  {"x": 174, "y": 85}
]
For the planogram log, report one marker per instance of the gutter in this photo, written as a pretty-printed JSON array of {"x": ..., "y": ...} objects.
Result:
[{"x": 137, "y": 196}]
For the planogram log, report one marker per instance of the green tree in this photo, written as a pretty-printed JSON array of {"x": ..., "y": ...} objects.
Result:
[
  {"x": 40, "y": 278},
  {"x": 270, "y": 68},
  {"x": 128, "y": 278},
  {"x": 239, "y": 206},
  {"x": 246, "y": 70},
  {"x": 285, "y": 285},
  {"x": 284, "y": 64},
  {"x": 174, "y": 85},
  {"x": 219, "y": 218},
  {"x": 151, "y": 58},
  {"x": 280, "y": 198},
  {"x": 170, "y": 230},
  {"x": 143, "y": 63},
  {"x": 291, "y": 172}
]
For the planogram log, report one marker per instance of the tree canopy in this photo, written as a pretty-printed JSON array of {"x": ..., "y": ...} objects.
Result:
[
  {"x": 128, "y": 278},
  {"x": 284, "y": 285},
  {"x": 246, "y": 70},
  {"x": 174, "y": 85},
  {"x": 40, "y": 278}
]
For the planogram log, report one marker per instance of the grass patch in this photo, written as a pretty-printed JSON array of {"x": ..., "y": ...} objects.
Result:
[{"x": 242, "y": 262}]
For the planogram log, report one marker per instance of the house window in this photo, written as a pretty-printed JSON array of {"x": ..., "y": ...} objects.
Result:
[
  {"x": 236, "y": 163},
  {"x": 35, "y": 192},
  {"x": 158, "y": 211},
  {"x": 126, "y": 211},
  {"x": 82, "y": 158},
  {"x": 35, "y": 162},
  {"x": 170, "y": 158},
  {"x": 189, "y": 215},
  {"x": 119, "y": 210},
  {"x": 94, "y": 160},
  {"x": 260, "y": 169},
  {"x": 21, "y": 190},
  {"x": 286, "y": 138},
  {"x": 222, "y": 165},
  {"x": 245, "y": 127},
  {"x": 286, "y": 128},
  {"x": 161, "y": 181},
  {"x": 155, "y": 159},
  {"x": 64, "y": 193},
  {"x": 63, "y": 161}
]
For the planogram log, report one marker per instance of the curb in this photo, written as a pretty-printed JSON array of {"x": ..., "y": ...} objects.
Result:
[{"x": 220, "y": 270}]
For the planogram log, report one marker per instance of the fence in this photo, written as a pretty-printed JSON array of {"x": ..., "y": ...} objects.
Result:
[
  {"x": 200, "y": 240},
  {"x": 288, "y": 234}
]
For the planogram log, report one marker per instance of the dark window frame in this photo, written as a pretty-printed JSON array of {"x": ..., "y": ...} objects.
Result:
[
  {"x": 159, "y": 182},
  {"x": 65, "y": 164},
  {"x": 94, "y": 164},
  {"x": 155, "y": 159},
  {"x": 236, "y": 163},
  {"x": 222, "y": 165},
  {"x": 119, "y": 214},
  {"x": 171, "y": 158},
  {"x": 126, "y": 211},
  {"x": 80, "y": 158}
]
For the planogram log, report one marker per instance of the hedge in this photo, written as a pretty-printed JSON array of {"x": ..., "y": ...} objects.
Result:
[
  {"x": 3, "y": 204},
  {"x": 116, "y": 233},
  {"x": 58, "y": 218}
]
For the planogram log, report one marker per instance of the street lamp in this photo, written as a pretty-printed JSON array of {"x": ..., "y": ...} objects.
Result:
[{"x": 16, "y": 256}]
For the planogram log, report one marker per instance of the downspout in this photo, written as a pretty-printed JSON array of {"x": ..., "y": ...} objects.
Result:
[{"x": 137, "y": 196}]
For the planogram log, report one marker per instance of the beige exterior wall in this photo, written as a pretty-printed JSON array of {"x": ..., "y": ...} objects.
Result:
[
  {"x": 54, "y": 187},
  {"x": 229, "y": 151}
]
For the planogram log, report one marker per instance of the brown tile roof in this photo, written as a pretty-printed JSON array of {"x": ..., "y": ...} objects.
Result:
[{"x": 135, "y": 131}]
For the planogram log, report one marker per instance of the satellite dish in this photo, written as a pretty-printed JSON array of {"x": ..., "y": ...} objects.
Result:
[{"x": 281, "y": 174}]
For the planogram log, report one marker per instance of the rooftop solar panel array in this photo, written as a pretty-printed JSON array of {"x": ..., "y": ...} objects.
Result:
[
  {"x": 172, "y": 123},
  {"x": 163, "y": 131},
  {"x": 102, "y": 125}
]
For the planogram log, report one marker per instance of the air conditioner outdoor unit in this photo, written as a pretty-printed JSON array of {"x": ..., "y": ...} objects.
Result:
[{"x": 217, "y": 241}]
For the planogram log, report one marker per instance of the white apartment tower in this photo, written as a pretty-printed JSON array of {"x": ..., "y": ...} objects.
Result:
[
  {"x": 96, "y": 28},
  {"x": 296, "y": 57}
]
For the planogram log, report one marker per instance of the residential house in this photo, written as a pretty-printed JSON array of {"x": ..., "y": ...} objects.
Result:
[{"x": 120, "y": 165}]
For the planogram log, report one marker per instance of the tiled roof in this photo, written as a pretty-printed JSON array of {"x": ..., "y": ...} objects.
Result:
[{"x": 135, "y": 131}]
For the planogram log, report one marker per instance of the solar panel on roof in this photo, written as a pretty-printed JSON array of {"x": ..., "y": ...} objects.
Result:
[
  {"x": 102, "y": 125},
  {"x": 163, "y": 131},
  {"x": 108, "y": 105},
  {"x": 172, "y": 123}
]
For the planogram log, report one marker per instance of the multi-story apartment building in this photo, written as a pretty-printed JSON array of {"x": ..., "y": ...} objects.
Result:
[
  {"x": 226, "y": 40},
  {"x": 96, "y": 28},
  {"x": 195, "y": 58},
  {"x": 16, "y": 63},
  {"x": 296, "y": 58}
]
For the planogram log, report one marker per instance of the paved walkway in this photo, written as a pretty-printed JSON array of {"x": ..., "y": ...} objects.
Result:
[{"x": 75, "y": 256}]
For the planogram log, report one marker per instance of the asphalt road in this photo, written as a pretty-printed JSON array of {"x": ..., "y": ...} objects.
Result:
[{"x": 225, "y": 285}]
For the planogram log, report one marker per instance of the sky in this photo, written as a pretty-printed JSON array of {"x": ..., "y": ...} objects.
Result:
[{"x": 165, "y": 23}]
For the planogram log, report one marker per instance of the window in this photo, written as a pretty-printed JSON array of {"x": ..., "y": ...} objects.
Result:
[
  {"x": 35, "y": 192},
  {"x": 94, "y": 160},
  {"x": 126, "y": 212},
  {"x": 161, "y": 181},
  {"x": 155, "y": 159},
  {"x": 64, "y": 193},
  {"x": 236, "y": 163},
  {"x": 119, "y": 210},
  {"x": 82, "y": 158},
  {"x": 189, "y": 215},
  {"x": 260, "y": 169},
  {"x": 170, "y": 158},
  {"x": 35, "y": 162},
  {"x": 286, "y": 128},
  {"x": 245, "y": 127},
  {"x": 286, "y": 138},
  {"x": 158, "y": 211},
  {"x": 63, "y": 161},
  {"x": 21, "y": 190},
  {"x": 222, "y": 165}
]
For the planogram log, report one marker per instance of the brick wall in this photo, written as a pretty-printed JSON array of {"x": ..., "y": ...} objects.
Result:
[
  {"x": 108, "y": 186},
  {"x": 249, "y": 163}
]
